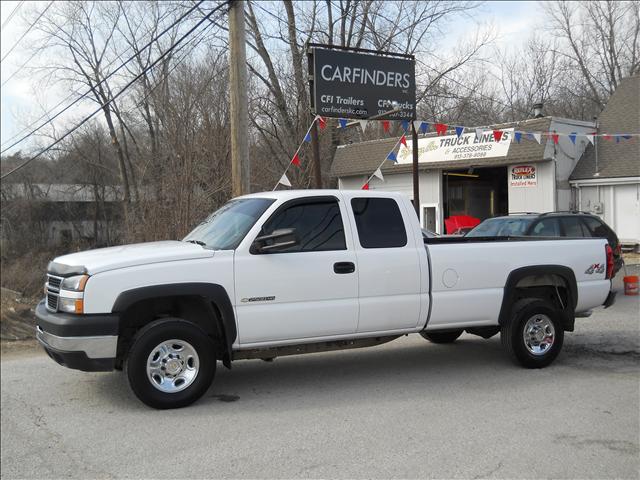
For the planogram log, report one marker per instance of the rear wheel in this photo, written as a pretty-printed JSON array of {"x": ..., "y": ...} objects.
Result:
[
  {"x": 442, "y": 337},
  {"x": 535, "y": 334},
  {"x": 171, "y": 363}
]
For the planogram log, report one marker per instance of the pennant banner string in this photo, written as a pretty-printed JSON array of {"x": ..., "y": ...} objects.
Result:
[
  {"x": 296, "y": 159},
  {"x": 377, "y": 170}
]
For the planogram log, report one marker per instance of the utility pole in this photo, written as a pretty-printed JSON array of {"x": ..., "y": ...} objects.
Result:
[
  {"x": 416, "y": 178},
  {"x": 240, "y": 167}
]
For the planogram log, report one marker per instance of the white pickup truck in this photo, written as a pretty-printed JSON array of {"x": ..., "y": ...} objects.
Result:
[{"x": 282, "y": 273}]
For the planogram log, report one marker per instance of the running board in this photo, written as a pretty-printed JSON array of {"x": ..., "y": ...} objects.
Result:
[{"x": 273, "y": 352}]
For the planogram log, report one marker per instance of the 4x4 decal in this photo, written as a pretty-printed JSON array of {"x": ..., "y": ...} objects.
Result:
[{"x": 595, "y": 268}]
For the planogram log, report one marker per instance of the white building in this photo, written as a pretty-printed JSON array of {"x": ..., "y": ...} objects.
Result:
[
  {"x": 478, "y": 178},
  {"x": 606, "y": 180}
]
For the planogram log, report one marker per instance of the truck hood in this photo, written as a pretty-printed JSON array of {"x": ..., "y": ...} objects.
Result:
[{"x": 111, "y": 258}]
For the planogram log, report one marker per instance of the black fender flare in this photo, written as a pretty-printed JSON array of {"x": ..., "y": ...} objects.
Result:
[
  {"x": 215, "y": 294},
  {"x": 509, "y": 297}
]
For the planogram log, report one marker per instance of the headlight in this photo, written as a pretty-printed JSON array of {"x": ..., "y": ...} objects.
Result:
[
  {"x": 71, "y": 296},
  {"x": 75, "y": 283},
  {"x": 71, "y": 305}
]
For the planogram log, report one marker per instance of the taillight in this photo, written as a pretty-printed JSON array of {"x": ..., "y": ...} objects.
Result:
[{"x": 609, "y": 253}]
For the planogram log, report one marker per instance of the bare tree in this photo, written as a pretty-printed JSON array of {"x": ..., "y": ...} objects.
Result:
[{"x": 600, "y": 40}]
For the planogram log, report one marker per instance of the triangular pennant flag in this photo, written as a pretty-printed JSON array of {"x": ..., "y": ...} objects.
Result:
[
  {"x": 378, "y": 174},
  {"x": 606, "y": 136},
  {"x": 365, "y": 186},
  {"x": 424, "y": 126},
  {"x": 572, "y": 137},
  {"x": 517, "y": 136},
  {"x": 417, "y": 124},
  {"x": 555, "y": 138},
  {"x": 479, "y": 133},
  {"x": 590, "y": 137},
  {"x": 342, "y": 122},
  {"x": 441, "y": 128},
  {"x": 618, "y": 138},
  {"x": 497, "y": 135},
  {"x": 322, "y": 123},
  {"x": 392, "y": 156},
  {"x": 405, "y": 125},
  {"x": 307, "y": 137},
  {"x": 459, "y": 131},
  {"x": 626, "y": 137},
  {"x": 363, "y": 124},
  {"x": 296, "y": 160},
  {"x": 403, "y": 140},
  {"x": 535, "y": 136},
  {"x": 284, "y": 180},
  {"x": 385, "y": 125}
]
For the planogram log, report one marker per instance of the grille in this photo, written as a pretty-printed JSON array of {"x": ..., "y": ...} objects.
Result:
[
  {"x": 52, "y": 301},
  {"x": 54, "y": 282},
  {"x": 53, "y": 291}
]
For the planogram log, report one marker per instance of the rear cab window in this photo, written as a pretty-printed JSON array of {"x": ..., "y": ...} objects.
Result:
[{"x": 379, "y": 222}]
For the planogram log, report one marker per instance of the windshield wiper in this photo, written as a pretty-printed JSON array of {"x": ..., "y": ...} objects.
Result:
[{"x": 197, "y": 242}]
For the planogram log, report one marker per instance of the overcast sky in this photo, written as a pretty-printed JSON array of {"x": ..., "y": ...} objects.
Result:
[{"x": 22, "y": 98}]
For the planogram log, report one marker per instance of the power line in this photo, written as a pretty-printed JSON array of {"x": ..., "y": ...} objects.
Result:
[
  {"x": 88, "y": 117},
  {"x": 90, "y": 90},
  {"x": 194, "y": 43},
  {"x": 28, "y": 30},
  {"x": 13, "y": 12}
]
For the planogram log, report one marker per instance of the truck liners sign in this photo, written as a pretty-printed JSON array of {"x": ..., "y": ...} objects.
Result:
[
  {"x": 362, "y": 85},
  {"x": 450, "y": 148}
]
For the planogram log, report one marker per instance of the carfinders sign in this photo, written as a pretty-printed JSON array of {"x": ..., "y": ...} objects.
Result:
[
  {"x": 452, "y": 147},
  {"x": 362, "y": 85}
]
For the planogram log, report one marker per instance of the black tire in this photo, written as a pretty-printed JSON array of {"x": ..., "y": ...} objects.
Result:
[
  {"x": 442, "y": 337},
  {"x": 512, "y": 334},
  {"x": 147, "y": 339}
]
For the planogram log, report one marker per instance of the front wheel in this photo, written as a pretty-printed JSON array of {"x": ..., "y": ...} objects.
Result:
[
  {"x": 171, "y": 363},
  {"x": 535, "y": 334}
]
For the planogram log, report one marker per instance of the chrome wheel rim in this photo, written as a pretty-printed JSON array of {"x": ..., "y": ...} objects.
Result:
[
  {"x": 172, "y": 366},
  {"x": 539, "y": 334}
]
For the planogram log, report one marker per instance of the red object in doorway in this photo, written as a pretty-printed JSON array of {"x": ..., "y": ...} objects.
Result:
[{"x": 455, "y": 223}]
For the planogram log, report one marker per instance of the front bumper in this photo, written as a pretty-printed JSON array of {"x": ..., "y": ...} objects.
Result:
[{"x": 81, "y": 342}]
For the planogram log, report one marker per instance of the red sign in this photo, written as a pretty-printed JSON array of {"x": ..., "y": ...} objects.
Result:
[{"x": 523, "y": 176}]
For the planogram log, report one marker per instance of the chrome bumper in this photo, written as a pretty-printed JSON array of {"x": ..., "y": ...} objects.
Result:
[{"x": 94, "y": 347}]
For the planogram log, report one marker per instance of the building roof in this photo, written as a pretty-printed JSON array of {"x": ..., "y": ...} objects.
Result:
[
  {"x": 621, "y": 115},
  {"x": 364, "y": 157}
]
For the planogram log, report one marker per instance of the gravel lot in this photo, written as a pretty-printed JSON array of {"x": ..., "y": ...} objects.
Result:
[{"x": 404, "y": 409}]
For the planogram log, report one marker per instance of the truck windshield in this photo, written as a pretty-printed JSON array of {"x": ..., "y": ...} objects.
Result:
[
  {"x": 501, "y": 227},
  {"x": 226, "y": 227}
]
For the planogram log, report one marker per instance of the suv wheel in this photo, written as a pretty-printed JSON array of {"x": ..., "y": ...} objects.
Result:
[
  {"x": 535, "y": 334},
  {"x": 171, "y": 363}
]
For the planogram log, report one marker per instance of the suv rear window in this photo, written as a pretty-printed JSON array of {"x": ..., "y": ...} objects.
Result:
[
  {"x": 379, "y": 222},
  {"x": 573, "y": 227},
  {"x": 549, "y": 227}
]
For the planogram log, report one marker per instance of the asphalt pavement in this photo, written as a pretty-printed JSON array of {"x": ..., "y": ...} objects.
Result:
[{"x": 407, "y": 409}]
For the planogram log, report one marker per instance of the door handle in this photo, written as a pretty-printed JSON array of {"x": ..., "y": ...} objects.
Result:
[{"x": 344, "y": 267}]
